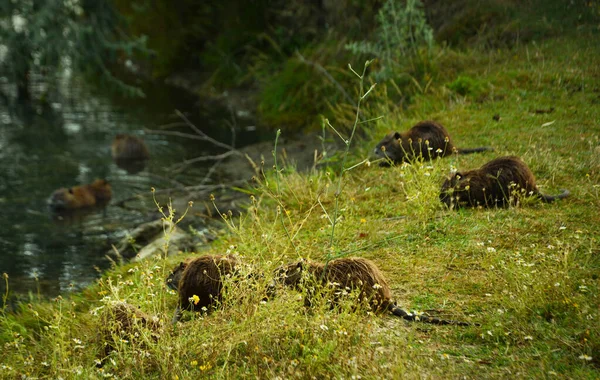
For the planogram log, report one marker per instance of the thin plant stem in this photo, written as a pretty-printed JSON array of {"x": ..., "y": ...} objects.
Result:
[
  {"x": 281, "y": 207},
  {"x": 348, "y": 142}
]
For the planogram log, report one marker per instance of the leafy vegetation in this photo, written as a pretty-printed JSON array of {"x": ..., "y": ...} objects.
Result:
[{"x": 54, "y": 36}]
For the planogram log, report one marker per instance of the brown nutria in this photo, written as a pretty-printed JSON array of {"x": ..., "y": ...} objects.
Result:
[
  {"x": 426, "y": 139},
  {"x": 199, "y": 282},
  {"x": 71, "y": 198},
  {"x": 130, "y": 153},
  {"x": 121, "y": 319},
  {"x": 129, "y": 147},
  {"x": 352, "y": 273},
  {"x": 496, "y": 184}
]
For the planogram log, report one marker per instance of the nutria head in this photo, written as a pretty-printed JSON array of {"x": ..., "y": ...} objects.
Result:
[
  {"x": 290, "y": 274},
  {"x": 390, "y": 147},
  {"x": 175, "y": 276},
  {"x": 61, "y": 199},
  {"x": 451, "y": 188}
]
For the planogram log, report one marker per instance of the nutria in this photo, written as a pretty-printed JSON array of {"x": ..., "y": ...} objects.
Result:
[
  {"x": 496, "y": 184},
  {"x": 353, "y": 273},
  {"x": 71, "y": 198},
  {"x": 121, "y": 319},
  {"x": 426, "y": 139},
  {"x": 202, "y": 278},
  {"x": 129, "y": 153},
  {"x": 129, "y": 147}
]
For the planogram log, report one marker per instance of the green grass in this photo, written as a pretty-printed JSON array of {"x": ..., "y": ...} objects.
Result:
[{"x": 528, "y": 275}]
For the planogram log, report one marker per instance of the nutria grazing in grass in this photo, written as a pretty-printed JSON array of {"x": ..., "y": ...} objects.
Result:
[
  {"x": 347, "y": 274},
  {"x": 199, "y": 282},
  {"x": 76, "y": 197},
  {"x": 426, "y": 139},
  {"x": 125, "y": 321},
  {"x": 498, "y": 183}
]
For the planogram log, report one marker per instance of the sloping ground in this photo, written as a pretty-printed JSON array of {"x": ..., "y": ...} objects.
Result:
[{"x": 528, "y": 275}]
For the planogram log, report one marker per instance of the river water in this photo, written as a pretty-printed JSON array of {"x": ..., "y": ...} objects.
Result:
[{"x": 67, "y": 143}]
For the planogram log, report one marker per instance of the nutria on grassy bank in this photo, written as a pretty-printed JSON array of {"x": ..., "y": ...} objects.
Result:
[
  {"x": 202, "y": 278},
  {"x": 499, "y": 183},
  {"x": 353, "y": 273},
  {"x": 427, "y": 139},
  {"x": 124, "y": 320}
]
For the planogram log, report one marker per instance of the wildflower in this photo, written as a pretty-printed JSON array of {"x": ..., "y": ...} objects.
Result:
[
  {"x": 363, "y": 220},
  {"x": 377, "y": 286},
  {"x": 324, "y": 328},
  {"x": 205, "y": 367},
  {"x": 438, "y": 151},
  {"x": 585, "y": 357},
  {"x": 194, "y": 363},
  {"x": 528, "y": 337},
  {"x": 557, "y": 284},
  {"x": 195, "y": 299},
  {"x": 152, "y": 189},
  {"x": 491, "y": 249}
]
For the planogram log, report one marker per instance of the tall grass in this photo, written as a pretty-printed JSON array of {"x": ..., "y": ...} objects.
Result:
[{"x": 528, "y": 274}]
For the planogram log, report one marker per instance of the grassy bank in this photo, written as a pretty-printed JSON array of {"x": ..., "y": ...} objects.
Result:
[{"x": 528, "y": 275}]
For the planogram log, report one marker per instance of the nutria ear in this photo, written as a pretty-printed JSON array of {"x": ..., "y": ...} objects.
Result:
[
  {"x": 70, "y": 190},
  {"x": 397, "y": 135}
]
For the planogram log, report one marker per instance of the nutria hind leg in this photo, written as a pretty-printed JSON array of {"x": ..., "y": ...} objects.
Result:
[{"x": 176, "y": 315}]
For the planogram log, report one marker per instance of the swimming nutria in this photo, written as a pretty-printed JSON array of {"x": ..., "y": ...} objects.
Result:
[
  {"x": 353, "y": 273},
  {"x": 130, "y": 153},
  {"x": 201, "y": 277},
  {"x": 426, "y": 139},
  {"x": 76, "y": 197},
  {"x": 129, "y": 147},
  {"x": 494, "y": 184},
  {"x": 121, "y": 319}
]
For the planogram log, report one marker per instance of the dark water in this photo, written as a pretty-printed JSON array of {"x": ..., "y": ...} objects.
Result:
[{"x": 67, "y": 143}]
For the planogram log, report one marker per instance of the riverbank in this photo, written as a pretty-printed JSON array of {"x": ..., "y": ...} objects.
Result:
[{"x": 528, "y": 275}]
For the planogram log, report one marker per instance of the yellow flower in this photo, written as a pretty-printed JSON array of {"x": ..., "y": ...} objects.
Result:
[
  {"x": 195, "y": 299},
  {"x": 194, "y": 363},
  {"x": 363, "y": 220},
  {"x": 205, "y": 367}
]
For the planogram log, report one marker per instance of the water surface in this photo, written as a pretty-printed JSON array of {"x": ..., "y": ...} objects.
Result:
[{"x": 66, "y": 143}]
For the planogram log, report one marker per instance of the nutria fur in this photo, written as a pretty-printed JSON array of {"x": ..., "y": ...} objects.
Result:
[
  {"x": 71, "y": 198},
  {"x": 121, "y": 320},
  {"x": 353, "y": 273},
  {"x": 201, "y": 277},
  {"x": 129, "y": 147},
  {"x": 426, "y": 139},
  {"x": 496, "y": 184}
]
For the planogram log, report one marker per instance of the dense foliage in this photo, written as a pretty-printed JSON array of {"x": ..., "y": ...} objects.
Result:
[{"x": 53, "y": 36}]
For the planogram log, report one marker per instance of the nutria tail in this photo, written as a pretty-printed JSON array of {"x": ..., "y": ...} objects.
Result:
[
  {"x": 474, "y": 150},
  {"x": 399, "y": 312},
  {"x": 551, "y": 198}
]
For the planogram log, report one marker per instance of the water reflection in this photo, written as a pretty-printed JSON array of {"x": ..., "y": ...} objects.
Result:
[{"x": 67, "y": 142}]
